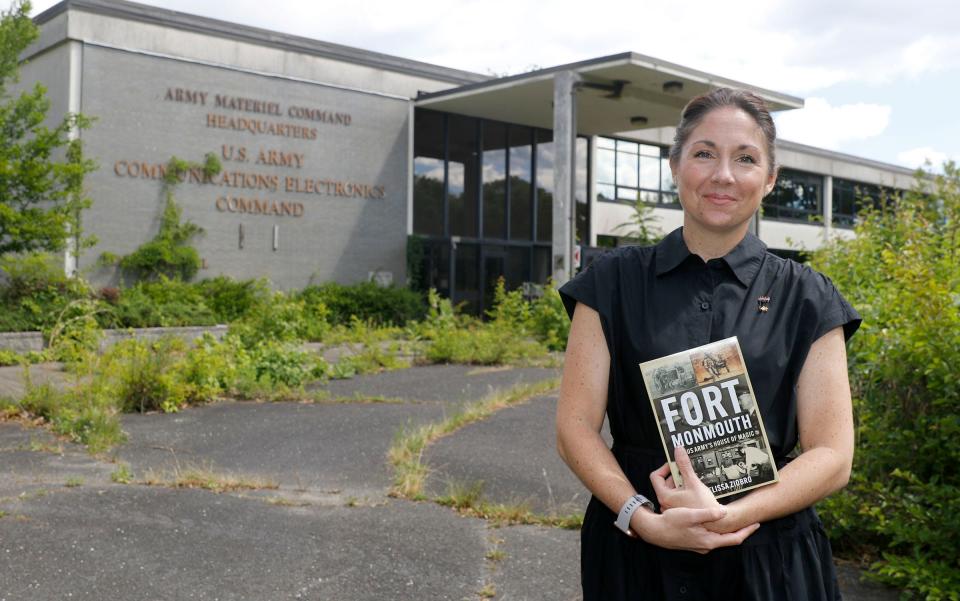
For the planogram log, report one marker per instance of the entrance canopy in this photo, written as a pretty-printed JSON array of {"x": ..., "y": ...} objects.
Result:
[{"x": 618, "y": 93}]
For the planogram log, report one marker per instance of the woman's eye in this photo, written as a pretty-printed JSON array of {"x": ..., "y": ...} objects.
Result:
[
  {"x": 701, "y": 154},
  {"x": 747, "y": 159}
]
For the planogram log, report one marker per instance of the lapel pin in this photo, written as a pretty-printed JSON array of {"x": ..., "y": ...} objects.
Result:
[{"x": 763, "y": 303}]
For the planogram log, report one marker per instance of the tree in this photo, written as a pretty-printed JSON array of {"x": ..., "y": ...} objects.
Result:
[
  {"x": 902, "y": 272},
  {"x": 41, "y": 168}
]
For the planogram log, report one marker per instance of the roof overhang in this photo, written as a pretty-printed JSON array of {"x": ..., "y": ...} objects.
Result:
[{"x": 619, "y": 93}]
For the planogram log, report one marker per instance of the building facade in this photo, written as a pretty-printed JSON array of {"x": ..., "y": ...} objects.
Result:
[{"x": 343, "y": 164}]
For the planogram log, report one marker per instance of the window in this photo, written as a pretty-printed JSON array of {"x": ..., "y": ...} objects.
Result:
[
  {"x": 850, "y": 196},
  {"x": 629, "y": 171},
  {"x": 428, "y": 174},
  {"x": 797, "y": 196}
]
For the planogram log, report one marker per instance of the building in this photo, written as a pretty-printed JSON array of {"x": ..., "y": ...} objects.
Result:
[{"x": 344, "y": 164}]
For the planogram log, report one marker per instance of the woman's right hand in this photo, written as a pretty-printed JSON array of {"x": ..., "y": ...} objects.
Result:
[{"x": 683, "y": 528}]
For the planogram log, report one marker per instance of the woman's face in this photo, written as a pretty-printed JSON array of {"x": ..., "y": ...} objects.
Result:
[{"x": 723, "y": 172}]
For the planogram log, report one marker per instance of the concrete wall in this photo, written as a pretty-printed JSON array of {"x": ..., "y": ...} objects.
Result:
[{"x": 339, "y": 187}]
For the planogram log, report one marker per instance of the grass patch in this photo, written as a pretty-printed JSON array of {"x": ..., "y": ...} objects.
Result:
[
  {"x": 406, "y": 453},
  {"x": 74, "y": 482},
  {"x": 207, "y": 479},
  {"x": 122, "y": 475}
]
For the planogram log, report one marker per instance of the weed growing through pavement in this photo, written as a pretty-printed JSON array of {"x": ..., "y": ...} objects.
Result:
[
  {"x": 74, "y": 482},
  {"x": 122, "y": 475},
  {"x": 207, "y": 479}
]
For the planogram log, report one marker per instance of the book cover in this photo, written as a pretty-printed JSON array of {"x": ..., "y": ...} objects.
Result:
[{"x": 703, "y": 401}]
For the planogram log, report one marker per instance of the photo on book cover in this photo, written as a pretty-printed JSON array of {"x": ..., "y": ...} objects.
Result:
[{"x": 703, "y": 401}]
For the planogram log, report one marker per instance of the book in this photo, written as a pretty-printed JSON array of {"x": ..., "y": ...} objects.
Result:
[{"x": 703, "y": 401}]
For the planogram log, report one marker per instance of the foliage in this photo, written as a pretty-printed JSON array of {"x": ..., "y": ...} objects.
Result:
[
  {"x": 41, "y": 168},
  {"x": 277, "y": 317},
  {"x": 35, "y": 291},
  {"x": 160, "y": 303},
  {"x": 386, "y": 305},
  {"x": 169, "y": 253},
  {"x": 638, "y": 229},
  {"x": 229, "y": 299},
  {"x": 462, "y": 339},
  {"x": 549, "y": 321},
  {"x": 902, "y": 272}
]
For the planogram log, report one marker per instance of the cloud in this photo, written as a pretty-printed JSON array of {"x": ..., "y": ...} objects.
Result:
[
  {"x": 918, "y": 157},
  {"x": 826, "y": 126}
]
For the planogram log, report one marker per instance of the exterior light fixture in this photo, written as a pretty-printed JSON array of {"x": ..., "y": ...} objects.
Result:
[
  {"x": 672, "y": 87},
  {"x": 638, "y": 120}
]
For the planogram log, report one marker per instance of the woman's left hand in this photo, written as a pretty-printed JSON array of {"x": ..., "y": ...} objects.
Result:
[{"x": 693, "y": 493}]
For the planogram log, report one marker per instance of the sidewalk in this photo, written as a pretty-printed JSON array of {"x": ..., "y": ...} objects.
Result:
[{"x": 320, "y": 526}]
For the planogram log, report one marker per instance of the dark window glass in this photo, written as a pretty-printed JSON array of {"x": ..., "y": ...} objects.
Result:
[
  {"x": 428, "y": 173},
  {"x": 521, "y": 180},
  {"x": 850, "y": 196},
  {"x": 462, "y": 175},
  {"x": 582, "y": 235},
  {"x": 512, "y": 263},
  {"x": 466, "y": 257},
  {"x": 541, "y": 264},
  {"x": 434, "y": 268},
  {"x": 796, "y": 196},
  {"x": 494, "y": 180},
  {"x": 544, "y": 185}
]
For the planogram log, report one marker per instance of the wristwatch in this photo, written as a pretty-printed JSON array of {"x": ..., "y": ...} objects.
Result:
[{"x": 633, "y": 503}]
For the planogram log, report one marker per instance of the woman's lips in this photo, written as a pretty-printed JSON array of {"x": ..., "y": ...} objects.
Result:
[{"x": 720, "y": 199}]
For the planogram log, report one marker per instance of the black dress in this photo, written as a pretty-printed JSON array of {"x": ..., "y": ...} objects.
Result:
[{"x": 658, "y": 300}]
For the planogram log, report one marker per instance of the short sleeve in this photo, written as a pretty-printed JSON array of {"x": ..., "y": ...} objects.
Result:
[
  {"x": 587, "y": 286},
  {"x": 836, "y": 312}
]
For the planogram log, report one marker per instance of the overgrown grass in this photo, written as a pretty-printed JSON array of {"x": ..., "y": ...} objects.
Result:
[
  {"x": 468, "y": 500},
  {"x": 406, "y": 453},
  {"x": 207, "y": 479}
]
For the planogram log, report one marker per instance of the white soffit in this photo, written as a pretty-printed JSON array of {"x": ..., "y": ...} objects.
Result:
[{"x": 527, "y": 99}]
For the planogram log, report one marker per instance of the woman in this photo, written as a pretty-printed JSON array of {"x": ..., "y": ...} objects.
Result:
[{"x": 706, "y": 281}]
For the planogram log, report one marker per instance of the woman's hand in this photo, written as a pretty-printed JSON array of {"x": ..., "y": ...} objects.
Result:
[
  {"x": 684, "y": 528},
  {"x": 693, "y": 493}
]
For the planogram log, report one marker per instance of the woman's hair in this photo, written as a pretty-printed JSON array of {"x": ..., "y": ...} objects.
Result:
[{"x": 698, "y": 108}]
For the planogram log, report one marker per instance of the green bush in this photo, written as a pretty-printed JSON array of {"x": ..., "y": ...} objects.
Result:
[
  {"x": 161, "y": 303},
  {"x": 390, "y": 305},
  {"x": 230, "y": 299},
  {"x": 34, "y": 292},
  {"x": 147, "y": 374},
  {"x": 901, "y": 272},
  {"x": 461, "y": 339},
  {"x": 281, "y": 318}
]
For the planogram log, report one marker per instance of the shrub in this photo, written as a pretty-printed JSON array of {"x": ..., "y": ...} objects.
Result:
[
  {"x": 161, "y": 303},
  {"x": 902, "y": 274},
  {"x": 147, "y": 374},
  {"x": 34, "y": 292},
  {"x": 390, "y": 305},
  {"x": 229, "y": 299}
]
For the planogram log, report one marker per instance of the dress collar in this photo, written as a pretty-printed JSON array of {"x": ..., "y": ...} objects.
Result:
[{"x": 744, "y": 260}]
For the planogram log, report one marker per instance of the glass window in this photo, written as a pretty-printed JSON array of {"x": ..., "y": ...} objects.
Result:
[
  {"x": 541, "y": 264},
  {"x": 634, "y": 171},
  {"x": 428, "y": 173},
  {"x": 462, "y": 175},
  {"x": 627, "y": 170},
  {"x": 797, "y": 196},
  {"x": 467, "y": 279},
  {"x": 850, "y": 196},
  {"x": 494, "y": 180},
  {"x": 606, "y": 166},
  {"x": 582, "y": 235},
  {"x": 521, "y": 180},
  {"x": 650, "y": 172},
  {"x": 544, "y": 185}
]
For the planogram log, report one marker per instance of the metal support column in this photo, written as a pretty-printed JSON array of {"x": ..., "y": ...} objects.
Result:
[{"x": 564, "y": 173}]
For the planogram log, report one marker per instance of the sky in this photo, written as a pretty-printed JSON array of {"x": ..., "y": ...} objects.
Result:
[{"x": 880, "y": 78}]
